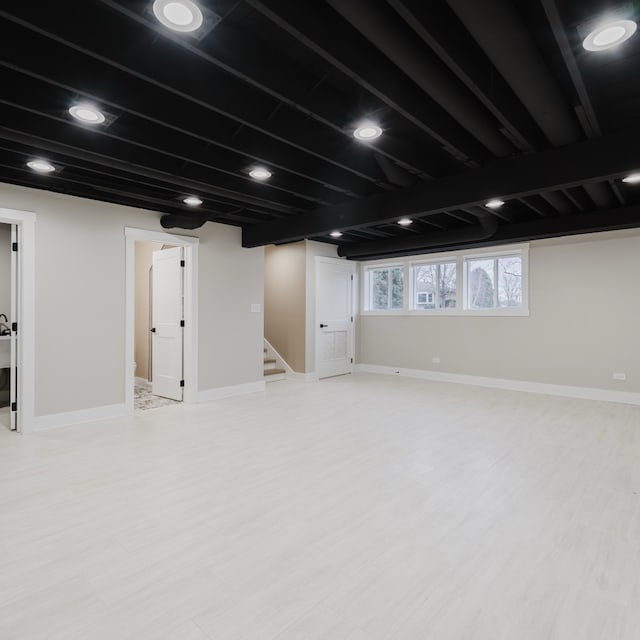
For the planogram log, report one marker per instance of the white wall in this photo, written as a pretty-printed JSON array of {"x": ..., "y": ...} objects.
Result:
[
  {"x": 80, "y": 300},
  {"x": 5, "y": 270},
  {"x": 584, "y": 301}
]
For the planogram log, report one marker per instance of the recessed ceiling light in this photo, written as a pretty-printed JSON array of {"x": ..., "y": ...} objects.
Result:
[
  {"x": 405, "y": 222},
  {"x": 367, "y": 131},
  {"x": 336, "y": 234},
  {"x": 632, "y": 178},
  {"x": 179, "y": 15},
  {"x": 192, "y": 201},
  {"x": 494, "y": 204},
  {"x": 260, "y": 173},
  {"x": 87, "y": 113},
  {"x": 41, "y": 166},
  {"x": 609, "y": 34}
]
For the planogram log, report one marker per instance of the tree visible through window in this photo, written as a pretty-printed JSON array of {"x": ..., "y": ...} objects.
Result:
[
  {"x": 387, "y": 288},
  {"x": 494, "y": 282},
  {"x": 434, "y": 285}
]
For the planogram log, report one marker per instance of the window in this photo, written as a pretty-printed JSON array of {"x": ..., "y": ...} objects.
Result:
[
  {"x": 472, "y": 282},
  {"x": 434, "y": 285},
  {"x": 494, "y": 282},
  {"x": 385, "y": 287}
]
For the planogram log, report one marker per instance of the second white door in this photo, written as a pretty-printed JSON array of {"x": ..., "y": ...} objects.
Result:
[
  {"x": 334, "y": 317},
  {"x": 167, "y": 292}
]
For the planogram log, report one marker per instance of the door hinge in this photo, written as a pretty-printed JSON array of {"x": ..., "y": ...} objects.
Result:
[
  {"x": 351, "y": 360},
  {"x": 351, "y": 318},
  {"x": 14, "y": 327},
  {"x": 14, "y": 246},
  {"x": 182, "y": 383},
  {"x": 182, "y": 323},
  {"x": 182, "y": 263},
  {"x": 14, "y": 407},
  {"x": 351, "y": 277}
]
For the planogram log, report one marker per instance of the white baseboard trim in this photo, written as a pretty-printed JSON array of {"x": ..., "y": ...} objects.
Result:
[
  {"x": 281, "y": 363},
  {"x": 211, "y": 395},
  {"x": 586, "y": 393},
  {"x": 142, "y": 381},
  {"x": 96, "y": 414}
]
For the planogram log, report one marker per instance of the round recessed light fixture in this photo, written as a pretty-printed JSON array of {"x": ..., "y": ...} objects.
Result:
[
  {"x": 336, "y": 234},
  {"x": 260, "y": 173},
  {"x": 192, "y": 201},
  {"x": 367, "y": 131},
  {"x": 609, "y": 34},
  {"x": 179, "y": 15},
  {"x": 632, "y": 178},
  {"x": 405, "y": 222},
  {"x": 41, "y": 166},
  {"x": 87, "y": 113},
  {"x": 494, "y": 204}
]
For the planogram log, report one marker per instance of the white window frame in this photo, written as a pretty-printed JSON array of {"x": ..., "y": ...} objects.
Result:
[
  {"x": 366, "y": 289},
  {"x": 460, "y": 258}
]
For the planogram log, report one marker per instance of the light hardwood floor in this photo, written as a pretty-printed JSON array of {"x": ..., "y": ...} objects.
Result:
[{"x": 364, "y": 507}]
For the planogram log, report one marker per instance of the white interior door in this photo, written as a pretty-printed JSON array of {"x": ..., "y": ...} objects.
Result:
[
  {"x": 334, "y": 317},
  {"x": 13, "y": 377},
  {"x": 167, "y": 319}
]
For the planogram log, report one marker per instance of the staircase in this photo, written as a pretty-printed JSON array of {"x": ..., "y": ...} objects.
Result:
[{"x": 271, "y": 373}]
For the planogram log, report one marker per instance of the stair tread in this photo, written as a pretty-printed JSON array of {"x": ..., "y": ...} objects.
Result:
[
  {"x": 269, "y": 360},
  {"x": 273, "y": 372}
]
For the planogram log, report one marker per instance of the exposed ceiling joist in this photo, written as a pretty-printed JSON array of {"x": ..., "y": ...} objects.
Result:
[
  {"x": 591, "y": 161},
  {"x": 592, "y": 222}
]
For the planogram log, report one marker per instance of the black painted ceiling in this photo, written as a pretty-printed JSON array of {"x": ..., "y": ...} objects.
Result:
[{"x": 477, "y": 99}]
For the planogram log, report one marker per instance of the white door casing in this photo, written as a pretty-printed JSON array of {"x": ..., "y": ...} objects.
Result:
[
  {"x": 334, "y": 317},
  {"x": 13, "y": 318},
  {"x": 167, "y": 317}
]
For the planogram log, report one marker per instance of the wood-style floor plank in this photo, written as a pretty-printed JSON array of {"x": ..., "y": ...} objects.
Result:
[{"x": 361, "y": 508}]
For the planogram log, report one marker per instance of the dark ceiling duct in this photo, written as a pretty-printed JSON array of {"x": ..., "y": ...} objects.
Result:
[
  {"x": 408, "y": 53},
  {"x": 174, "y": 221},
  {"x": 488, "y": 225},
  {"x": 500, "y": 31},
  {"x": 393, "y": 173}
]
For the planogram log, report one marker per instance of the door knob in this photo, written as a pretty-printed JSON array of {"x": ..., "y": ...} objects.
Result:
[
  {"x": 153, "y": 330},
  {"x": 323, "y": 326}
]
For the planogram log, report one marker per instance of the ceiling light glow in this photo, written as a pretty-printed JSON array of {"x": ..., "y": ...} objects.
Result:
[
  {"x": 405, "y": 222},
  {"x": 494, "y": 204},
  {"x": 87, "y": 113},
  {"x": 633, "y": 178},
  {"x": 367, "y": 131},
  {"x": 192, "y": 201},
  {"x": 179, "y": 15},
  {"x": 41, "y": 166},
  {"x": 609, "y": 34},
  {"x": 260, "y": 173},
  {"x": 336, "y": 234}
]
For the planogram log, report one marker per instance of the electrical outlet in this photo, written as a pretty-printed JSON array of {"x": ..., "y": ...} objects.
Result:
[
  {"x": 435, "y": 360},
  {"x": 619, "y": 376}
]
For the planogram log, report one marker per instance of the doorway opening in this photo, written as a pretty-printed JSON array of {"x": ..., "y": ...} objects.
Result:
[{"x": 161, "y": 319}]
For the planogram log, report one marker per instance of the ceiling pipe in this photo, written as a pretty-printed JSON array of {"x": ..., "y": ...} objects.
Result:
[
  {"x": 382, "y": 27},
  {"x": 486, "y": 227},
  {"x": 175, "y": 221},
  {"x": 394, "y": 174},
  {"x": 500, "y": 31}
]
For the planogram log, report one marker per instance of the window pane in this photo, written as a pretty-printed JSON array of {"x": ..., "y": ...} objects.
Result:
[
  {"x": 397, "y": 288},
  {"x": 480, "y": 286},
  {"x": 447, "y": 285},
  {"x": 425, "y": 286},
  {"x": 510, "y": 281},
  {"x": 380, "y": 289}
]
